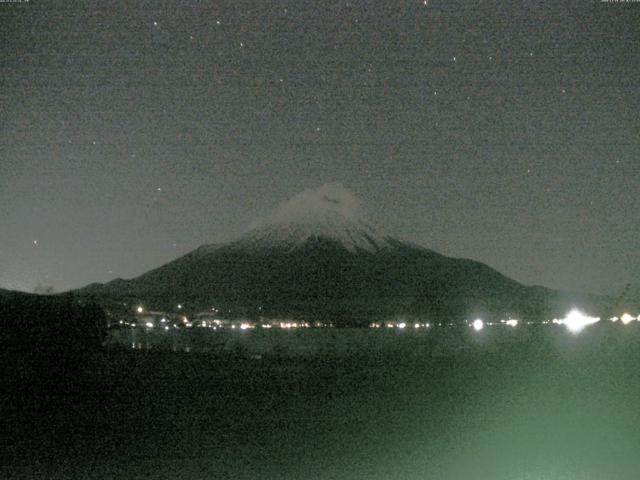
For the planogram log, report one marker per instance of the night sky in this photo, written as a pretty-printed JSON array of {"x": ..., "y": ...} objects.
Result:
[{"x": 506, "y": 132}]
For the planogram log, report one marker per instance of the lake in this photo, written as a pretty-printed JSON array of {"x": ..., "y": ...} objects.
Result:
[{"x": 524, "y": 403}]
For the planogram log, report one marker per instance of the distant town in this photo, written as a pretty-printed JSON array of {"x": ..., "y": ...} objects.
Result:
[{"x": 575, "y": 321}]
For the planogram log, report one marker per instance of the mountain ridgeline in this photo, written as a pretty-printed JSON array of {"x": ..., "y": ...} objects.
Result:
[{"x": 318, "y": 259}]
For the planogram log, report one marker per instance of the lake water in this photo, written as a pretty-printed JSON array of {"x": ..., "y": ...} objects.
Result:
[{"x": 500, "y": 404}]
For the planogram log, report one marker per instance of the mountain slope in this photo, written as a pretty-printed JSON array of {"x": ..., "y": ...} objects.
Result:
[{"x": 318, "y": 257}]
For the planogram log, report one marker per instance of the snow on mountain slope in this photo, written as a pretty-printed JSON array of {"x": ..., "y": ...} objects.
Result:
[
  {"x": 330, "y": 212},
  {"x": 360, "y": 273}
]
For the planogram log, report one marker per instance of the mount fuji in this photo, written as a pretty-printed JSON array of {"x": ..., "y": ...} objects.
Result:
[{"x": 317, "y": 257}]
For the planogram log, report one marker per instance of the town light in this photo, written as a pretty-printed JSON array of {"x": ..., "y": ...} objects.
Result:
[
  {"x": 140, "y": 309},
  {"x": 626, "y": 318},
  {"x": 576, "y": 321},
  {"x": 477, "y": 325}
]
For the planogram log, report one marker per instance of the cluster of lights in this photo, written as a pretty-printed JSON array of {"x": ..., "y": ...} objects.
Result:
[
  {"x": 400, "y": 325},
  {"x": 288, "y": 325},
  {"x": 576, "y": 321},
  {"x": 149, "y": 319},
  {"x": 216, "y": 324},
  {"x": 625, "y": 319}
]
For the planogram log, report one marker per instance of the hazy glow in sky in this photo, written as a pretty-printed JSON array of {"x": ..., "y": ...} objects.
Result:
[{"x": 505, "y": 132}]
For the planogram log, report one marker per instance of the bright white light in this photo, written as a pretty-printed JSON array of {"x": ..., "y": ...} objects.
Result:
[
  {"x": 166, "y": 328},
  {"x": 402, "y": 325},
  {"x": 576, "y": 321},
  {"x": 179, "y": 307},
  {"x": 149, "y": 324},
  {"x": 511, "y": 322},
  {"x": 244, "y": 326},
  {"x": 140, "y": 309},
  {"x": 477, "y": 325},
  {"x": 417, "y": 325},
  {"x": 614, "y": 319},
  {"x": 626, "y": 318}
]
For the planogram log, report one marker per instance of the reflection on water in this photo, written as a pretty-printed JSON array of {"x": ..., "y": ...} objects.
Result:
[
  {"x": 502, "y": 403},
  {"x": 145, "y": 340},
  {"x": 434, "y": 342}
]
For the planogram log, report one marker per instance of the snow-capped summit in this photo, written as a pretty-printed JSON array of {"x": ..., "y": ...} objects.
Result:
[
  {"x": 297, "y": 262},
  {"x": 330, "y": 212}
]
